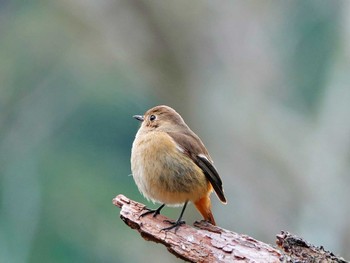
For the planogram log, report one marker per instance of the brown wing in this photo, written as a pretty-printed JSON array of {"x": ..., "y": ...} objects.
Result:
[
  {"x": 195, "y": 149},
  {"x": 212, "y": 175}
]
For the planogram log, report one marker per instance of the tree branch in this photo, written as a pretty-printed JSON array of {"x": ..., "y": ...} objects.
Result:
[{"x": 208, "y": 243}]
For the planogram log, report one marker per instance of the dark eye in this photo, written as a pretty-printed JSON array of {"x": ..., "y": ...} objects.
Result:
[{"x": 152, "y": 117}]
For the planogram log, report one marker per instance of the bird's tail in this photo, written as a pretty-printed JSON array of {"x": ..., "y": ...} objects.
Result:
[{"x": 203, "y": 205}]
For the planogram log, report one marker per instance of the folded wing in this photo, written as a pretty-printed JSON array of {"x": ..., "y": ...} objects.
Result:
[{"x": 190, "y": 144}]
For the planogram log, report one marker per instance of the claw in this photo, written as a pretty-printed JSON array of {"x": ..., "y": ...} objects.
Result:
[
  {"x": 155, "y": 212},
  {"x": 175, "y": 225}
]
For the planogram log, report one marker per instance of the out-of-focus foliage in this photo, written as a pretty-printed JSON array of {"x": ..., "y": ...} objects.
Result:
[{"x": 266, "y": 85}]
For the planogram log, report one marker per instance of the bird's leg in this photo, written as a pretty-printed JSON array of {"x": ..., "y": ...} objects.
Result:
[
  {"x": 155, "y": 212},
  {"x": 178, "y": 222}
]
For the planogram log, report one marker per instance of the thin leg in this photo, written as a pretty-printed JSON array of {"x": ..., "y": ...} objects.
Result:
[
  {"x": 152, "y": 211},
  {"x": 179, "y": 222}
]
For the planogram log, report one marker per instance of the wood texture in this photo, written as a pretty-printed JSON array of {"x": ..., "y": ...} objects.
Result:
[
  {"x": 297, "y": 248},
  {"x": 207, "y": 243}
]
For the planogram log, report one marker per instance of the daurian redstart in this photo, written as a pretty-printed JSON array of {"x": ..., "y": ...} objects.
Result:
[{"x": 171, "y": 165}]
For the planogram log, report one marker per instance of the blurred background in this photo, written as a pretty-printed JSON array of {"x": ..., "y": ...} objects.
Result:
[{"x": 266, "y": 85}]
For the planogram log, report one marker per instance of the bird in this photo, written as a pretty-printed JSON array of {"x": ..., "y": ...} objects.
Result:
[{"x": 171, "y": 166}]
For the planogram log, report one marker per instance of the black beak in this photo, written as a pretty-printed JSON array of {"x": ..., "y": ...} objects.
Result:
[{"x": 139, "y": 117}]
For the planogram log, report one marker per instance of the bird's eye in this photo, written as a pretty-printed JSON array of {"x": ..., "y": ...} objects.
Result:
[{"x": 152, "y": 117}]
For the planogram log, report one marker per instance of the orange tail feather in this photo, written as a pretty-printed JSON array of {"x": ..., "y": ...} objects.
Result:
[{"x": 203, "y": 205}]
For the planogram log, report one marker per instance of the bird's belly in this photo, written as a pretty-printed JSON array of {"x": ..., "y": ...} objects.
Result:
[{"x": 164, "y": 174}]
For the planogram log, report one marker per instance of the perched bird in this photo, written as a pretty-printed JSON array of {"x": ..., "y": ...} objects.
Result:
[{"x": 171, "y": 165}]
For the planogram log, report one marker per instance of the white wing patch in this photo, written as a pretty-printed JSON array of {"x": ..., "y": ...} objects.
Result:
[
  {"x": 203, "y": 156},
  {"x": 179, "y": 148}
]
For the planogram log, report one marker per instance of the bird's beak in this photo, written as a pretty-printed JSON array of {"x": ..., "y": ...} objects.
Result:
[{"x": 139, "y": 117}]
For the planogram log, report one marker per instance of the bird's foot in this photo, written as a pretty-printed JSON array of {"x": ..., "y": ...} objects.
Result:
[
  {"x": 175, "y": 225},
  {"x": 155, "y": 212}
]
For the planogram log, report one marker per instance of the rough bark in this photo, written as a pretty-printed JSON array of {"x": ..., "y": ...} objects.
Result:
[
  {"x": 208, "y": 243},
  {"x": 297, "y": 248}
]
